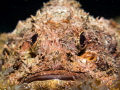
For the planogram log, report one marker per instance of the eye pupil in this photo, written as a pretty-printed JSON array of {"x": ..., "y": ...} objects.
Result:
[
  {"x": 34, "y": 38},
  {"x": 82, "y": 39}
]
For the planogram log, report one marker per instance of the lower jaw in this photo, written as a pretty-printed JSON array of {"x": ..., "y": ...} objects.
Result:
[{"x": 51, "y": 84}]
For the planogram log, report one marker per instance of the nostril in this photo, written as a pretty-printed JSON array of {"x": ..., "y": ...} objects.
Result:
[
  {"x": 6, "y": 51},
  {"x": 16, "y": 65}
]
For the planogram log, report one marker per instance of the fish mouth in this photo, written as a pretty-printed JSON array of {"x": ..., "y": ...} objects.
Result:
[{"x": 52, "y": 75}]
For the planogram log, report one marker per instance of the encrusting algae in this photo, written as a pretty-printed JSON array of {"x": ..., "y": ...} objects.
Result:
[{"x": 61, "y": 48}]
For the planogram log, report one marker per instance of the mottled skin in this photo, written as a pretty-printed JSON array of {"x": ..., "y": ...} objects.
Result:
[{"x": 60, "y": 42}]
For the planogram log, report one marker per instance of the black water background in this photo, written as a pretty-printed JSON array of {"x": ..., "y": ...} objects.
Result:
[{"x": 11, "y": 11}]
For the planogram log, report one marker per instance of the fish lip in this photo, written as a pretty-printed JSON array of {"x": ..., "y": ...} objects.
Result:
[
  {"x": 52, "y": 75},
  {"x": 48, "y": 77}
]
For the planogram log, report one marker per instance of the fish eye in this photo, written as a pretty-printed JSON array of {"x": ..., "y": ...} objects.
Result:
[{"x": 82, "y": 39}]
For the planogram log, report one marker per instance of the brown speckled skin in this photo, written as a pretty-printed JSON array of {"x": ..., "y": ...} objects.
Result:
[{"x": 63, "y": 40}]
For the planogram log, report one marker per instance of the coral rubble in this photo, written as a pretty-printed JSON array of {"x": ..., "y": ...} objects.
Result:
[{"x": 64, "y": 44}]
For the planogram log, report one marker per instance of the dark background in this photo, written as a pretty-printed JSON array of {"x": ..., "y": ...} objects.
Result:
[{"x": 11, "y": 11}]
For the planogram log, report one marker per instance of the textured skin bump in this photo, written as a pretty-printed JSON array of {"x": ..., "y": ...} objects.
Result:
[{"x": 61, "y": 42}]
